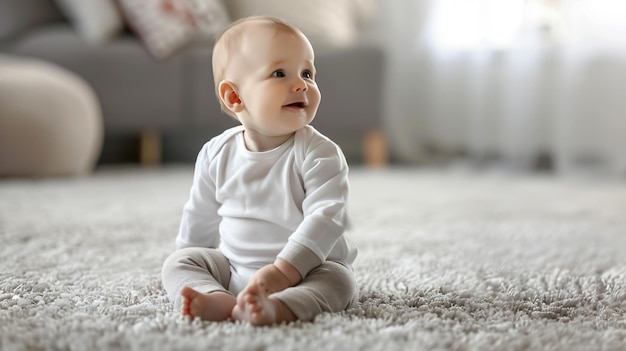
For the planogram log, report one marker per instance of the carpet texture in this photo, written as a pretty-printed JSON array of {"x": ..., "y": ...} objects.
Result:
[{"x": 448, "y": 261}]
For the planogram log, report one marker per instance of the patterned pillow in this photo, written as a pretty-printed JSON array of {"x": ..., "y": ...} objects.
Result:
[
  {"x": 168, "y": 26},
  {"x": 97, "y": 21}
]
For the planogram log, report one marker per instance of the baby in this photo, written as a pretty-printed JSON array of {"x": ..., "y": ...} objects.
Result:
[{"x": 262, "y": 235}]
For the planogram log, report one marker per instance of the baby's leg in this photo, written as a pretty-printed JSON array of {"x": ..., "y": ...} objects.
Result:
[
  {"x": 260, "y": 309},
  {"x": 194, "y": 279},
  {"x": 330, "y": 287}
]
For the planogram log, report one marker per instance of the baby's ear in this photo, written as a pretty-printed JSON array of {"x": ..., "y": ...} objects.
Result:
[{"x": 229, "y": 96}]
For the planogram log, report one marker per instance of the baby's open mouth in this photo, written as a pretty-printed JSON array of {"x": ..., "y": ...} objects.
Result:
[{"x": 296, "y": 104}]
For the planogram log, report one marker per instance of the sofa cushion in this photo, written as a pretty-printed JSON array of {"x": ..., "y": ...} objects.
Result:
[
  {"x": 135, "y": 90},
  {"x": 17, "y": 16},
  {"x": 97, "y": 21},
  {"x": 167, "y": 26}
]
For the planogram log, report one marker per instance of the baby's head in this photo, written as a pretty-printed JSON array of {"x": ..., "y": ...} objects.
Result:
[{"x": 263, "y": 67}]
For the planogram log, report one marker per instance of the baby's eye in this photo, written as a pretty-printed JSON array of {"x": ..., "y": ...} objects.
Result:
[
  {"x": 278, "y": 73},
  {"x": 307, "y": 75}
]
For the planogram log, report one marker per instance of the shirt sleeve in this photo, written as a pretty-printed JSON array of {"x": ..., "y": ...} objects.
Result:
[
  {"x": 325, "y": 179},
  {"x": 200, "y": 222}
]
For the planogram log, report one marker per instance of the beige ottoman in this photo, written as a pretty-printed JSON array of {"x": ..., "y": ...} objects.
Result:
[{"x": 50, "y": 120}]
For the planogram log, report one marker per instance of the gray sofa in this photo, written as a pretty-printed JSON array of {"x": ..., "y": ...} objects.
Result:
[{"x": 171, "y": 102}]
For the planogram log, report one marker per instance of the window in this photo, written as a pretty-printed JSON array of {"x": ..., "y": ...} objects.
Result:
[
  {"x": 464, "y": 25},
  {"x": 474, "y": 24}
]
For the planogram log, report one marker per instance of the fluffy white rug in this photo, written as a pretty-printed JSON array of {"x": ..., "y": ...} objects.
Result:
[{"x": 448, "y": 261}]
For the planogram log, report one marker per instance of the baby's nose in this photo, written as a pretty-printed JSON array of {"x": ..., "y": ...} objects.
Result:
[{"x": 300, "y": 85}]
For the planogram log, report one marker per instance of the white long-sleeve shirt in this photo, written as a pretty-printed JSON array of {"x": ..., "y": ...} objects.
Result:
[{"x": 289, "y": 202}]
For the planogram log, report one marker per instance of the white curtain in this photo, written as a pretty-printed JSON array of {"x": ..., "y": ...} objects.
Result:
[{"x": 509, "y": 80}]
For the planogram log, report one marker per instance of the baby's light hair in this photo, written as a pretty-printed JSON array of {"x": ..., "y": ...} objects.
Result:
[{"x": 229, "y": 41}]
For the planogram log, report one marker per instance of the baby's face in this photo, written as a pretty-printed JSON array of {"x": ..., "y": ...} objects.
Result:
[{"x": 275, "y": 77}]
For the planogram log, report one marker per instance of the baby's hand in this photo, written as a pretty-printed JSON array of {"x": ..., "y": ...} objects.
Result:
[
  {"x": 268, "y": 278},
  {"x": 272, "y": 279}
]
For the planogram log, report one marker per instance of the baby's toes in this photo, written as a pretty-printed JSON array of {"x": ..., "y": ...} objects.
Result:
[
  {"x": 237, "y": 314},
  {"x": 254, "y": 305}
]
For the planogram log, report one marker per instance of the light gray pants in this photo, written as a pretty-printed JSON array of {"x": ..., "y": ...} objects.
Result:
[{"x": 330, "y": 287}]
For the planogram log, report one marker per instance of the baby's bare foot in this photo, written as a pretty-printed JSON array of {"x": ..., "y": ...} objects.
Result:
[
  {"x": 259, "y": 309},
  {"x": 213, "y": 306}
]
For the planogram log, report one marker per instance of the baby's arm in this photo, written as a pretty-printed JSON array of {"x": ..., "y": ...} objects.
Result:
[{"x": 199, "y": 225}]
